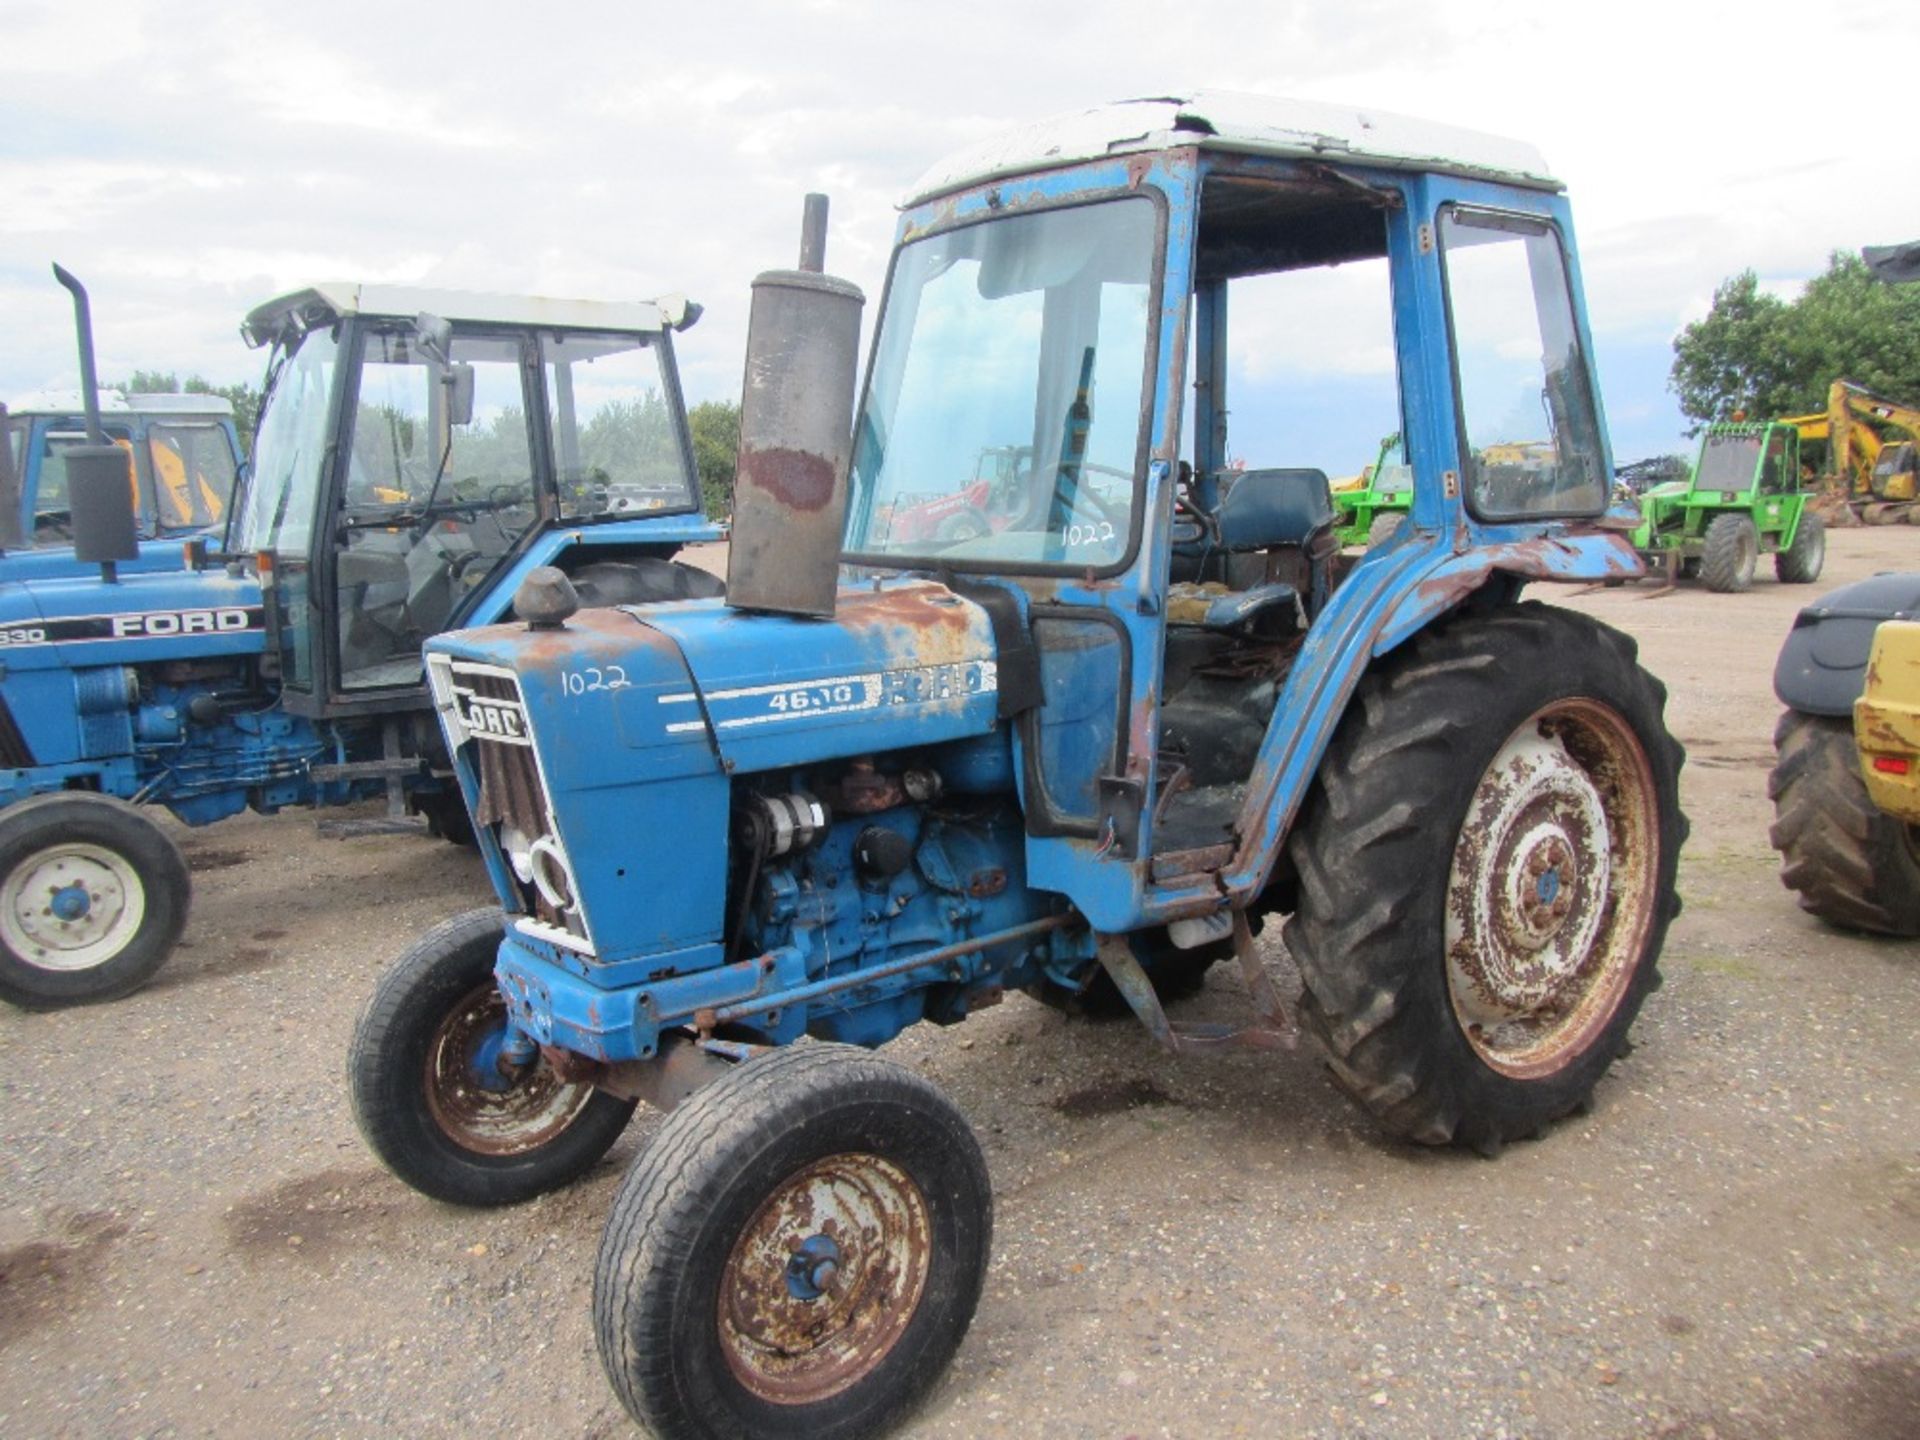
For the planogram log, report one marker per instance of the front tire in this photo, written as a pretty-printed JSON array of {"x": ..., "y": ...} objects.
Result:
[
  {"x": 1729, "y": 553},
  {"x": 1487, "y": 866},
  {"x": 93, "y": 897},
  {"x": 1849, "y": 862},
  {"x": 1802, "y": 561},
  {"x": 798, "y": 1251},
  {"x": 433, "y": 1103}
]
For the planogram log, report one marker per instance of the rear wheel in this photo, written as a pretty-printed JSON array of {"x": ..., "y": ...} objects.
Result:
[
  {"x": 798, "y": 1251},
  {"x": 1849, "y": 862},
  {"x": 93, "y": 897},
  {"x": 434, "y": 1097},
  {"x": 1476, "y": 990},
  {"x": 1729, "y": 553},
  {"x": 1801, "y": 562}
]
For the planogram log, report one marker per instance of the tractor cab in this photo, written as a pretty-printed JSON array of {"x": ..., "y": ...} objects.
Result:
[
  {"x": 183, "y": 454},
  {"x": 414, "y": 444},
  {"x": 1104, "y": 307}
]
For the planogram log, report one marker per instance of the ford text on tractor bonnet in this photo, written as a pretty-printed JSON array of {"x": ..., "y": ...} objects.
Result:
[{"x": 1081, "y": 752}]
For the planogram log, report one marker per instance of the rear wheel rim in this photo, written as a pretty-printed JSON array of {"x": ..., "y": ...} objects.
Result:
[
  {"x": 486, "y": 1109},
  {"x": 824, "y": 1279},
  {"x": 1552, "y": 888},
  {"x": 72, "y": 906}
]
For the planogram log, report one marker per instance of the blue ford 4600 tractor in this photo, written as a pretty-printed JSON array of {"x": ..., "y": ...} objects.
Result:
[
  {"x": 894, "y": 774},
  {"x": 418, "y": 453}
]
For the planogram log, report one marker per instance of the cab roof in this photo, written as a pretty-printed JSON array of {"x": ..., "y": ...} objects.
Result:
[
  {"x": 115, "y": 402},
  {"x": 1242, "y": 123},
  {"x": 329, "y": 301}
]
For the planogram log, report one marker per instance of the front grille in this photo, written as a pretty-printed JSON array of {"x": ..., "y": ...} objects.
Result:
[
  {"x": 510, "y": 791},
  {"x": 491, "y": 717}
]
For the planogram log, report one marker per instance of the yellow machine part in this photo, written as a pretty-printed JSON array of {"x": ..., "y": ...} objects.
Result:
[{"x": 1886, "y": 720}]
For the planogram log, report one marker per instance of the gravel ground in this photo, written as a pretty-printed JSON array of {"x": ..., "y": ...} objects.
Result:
[{"x": 193, "y": 1239}]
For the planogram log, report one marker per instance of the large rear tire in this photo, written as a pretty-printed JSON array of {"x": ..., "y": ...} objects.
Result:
[
  {"x": 1850, "y": 864},
  {"x": 432, "y": 1098},
  {"x": 93, "y": 897},
  {"x": 1729, "y": 553},
  {"x": 1487, "y": 865},
  {"x": 798, "y": 1252}
]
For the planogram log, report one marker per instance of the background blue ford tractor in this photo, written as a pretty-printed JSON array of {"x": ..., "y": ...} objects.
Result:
[
  {"x": 419, "y": 452},
  {"x": 183, "y": 449},
  {"x": 894, "y": 774}
]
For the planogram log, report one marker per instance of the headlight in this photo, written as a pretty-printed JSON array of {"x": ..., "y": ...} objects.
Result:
[{"x": 519, "y": 852}]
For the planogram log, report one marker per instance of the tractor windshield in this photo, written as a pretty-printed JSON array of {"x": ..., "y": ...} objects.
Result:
[
  {"x": 1726, "y": 462},
  {"x": 277, "y": 507},
  {"x": 1002, "y": 420}
]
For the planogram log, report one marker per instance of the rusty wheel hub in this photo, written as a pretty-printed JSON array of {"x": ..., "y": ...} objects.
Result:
[
  {"x": 481, "y": 1102},
  {"x": 1551, "y": 888},
  {"x": 824, "y": 1279}
]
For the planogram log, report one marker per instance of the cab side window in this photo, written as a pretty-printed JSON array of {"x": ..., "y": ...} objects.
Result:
[{"x": 1533, "y": 447}]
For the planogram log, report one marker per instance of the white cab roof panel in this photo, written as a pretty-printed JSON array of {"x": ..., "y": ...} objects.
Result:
[
  {"x": 328, "y": 301},
  {"x": 113, "y": 402},
  {"x": 1250, "y": 124}
]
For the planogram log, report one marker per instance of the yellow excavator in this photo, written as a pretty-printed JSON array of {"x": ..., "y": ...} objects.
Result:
[{"x": 1878, "y": 475}]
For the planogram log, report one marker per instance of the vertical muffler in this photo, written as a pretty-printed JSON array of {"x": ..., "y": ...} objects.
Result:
[
  {"x": 796, "y": 422},
  {"x": 99, "y": 473}
]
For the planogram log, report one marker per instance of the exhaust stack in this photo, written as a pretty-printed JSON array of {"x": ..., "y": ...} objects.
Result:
[
  {"x": 99, "y": 473},
  {"x": 796, "y": 416}
]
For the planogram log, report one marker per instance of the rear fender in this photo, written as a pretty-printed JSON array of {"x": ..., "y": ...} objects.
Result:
[{"x": 1392, "y": 594}]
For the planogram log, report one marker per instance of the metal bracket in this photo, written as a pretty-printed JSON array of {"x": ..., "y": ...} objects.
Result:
[
  {"x": 683, "y": 1066},
  {"x": 1272, "y": 1027}
]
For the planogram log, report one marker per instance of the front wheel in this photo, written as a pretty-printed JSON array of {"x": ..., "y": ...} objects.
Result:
[
  {"x": 93, "y": 897},
  {"x": 439, "y": 1104},
  {"x": 1487, "y": 866},
  {"x": 798, "y": 1251},
  {"x": 1729, "y": 553}
]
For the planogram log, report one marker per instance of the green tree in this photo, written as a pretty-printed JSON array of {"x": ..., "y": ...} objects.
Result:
[
  {"x": 244, "y": 398},
  {"x": 1763, "y": 356},
  {"x": 716, "y": 444}
]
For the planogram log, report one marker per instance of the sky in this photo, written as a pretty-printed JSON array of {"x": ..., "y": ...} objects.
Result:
[{"x": 188, "y": 162}]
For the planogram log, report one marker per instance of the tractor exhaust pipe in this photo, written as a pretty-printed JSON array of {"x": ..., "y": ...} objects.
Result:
[
  {"x": 796, "y": 413},
  {"x": 99, "y": 473}
]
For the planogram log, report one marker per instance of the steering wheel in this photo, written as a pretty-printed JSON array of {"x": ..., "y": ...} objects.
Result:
[{"x": 1115, "y": 517}]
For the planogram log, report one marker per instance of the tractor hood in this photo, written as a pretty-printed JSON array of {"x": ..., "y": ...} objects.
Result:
[
  {"x": 75, "y": 621},
  {"x": 701, "y": 686}
]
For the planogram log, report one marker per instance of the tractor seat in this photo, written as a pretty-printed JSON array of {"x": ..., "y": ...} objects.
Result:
[
  {"x": 1270, "y": 610},
  {"x": 1262, "y": 509},
  {"x": 1271, "y": 526}
]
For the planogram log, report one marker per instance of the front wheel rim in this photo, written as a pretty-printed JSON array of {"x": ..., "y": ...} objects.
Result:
[
  {"x": 482, "y": 1106},
  {"x": 824, "y": 1279},
  {"x": 1552, "y": 888},
  {"x": 72, "y": 906}
]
